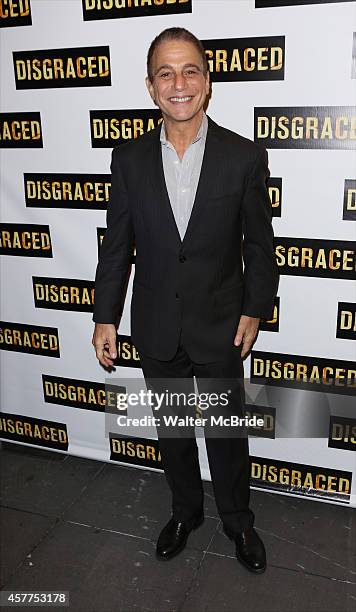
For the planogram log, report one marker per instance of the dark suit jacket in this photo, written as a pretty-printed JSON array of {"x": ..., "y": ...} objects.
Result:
[{"x": 196, "y": 286}]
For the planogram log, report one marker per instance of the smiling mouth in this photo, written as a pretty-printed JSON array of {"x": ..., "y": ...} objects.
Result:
[{"x": 181, "y": 100}]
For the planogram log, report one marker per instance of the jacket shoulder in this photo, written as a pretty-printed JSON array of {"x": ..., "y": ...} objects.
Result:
[
  {"x": 138, "y": 145},
  {"x": 238, "y": 143}
]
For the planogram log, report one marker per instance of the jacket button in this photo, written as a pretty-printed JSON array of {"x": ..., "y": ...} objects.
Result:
[
  {"x": 182, "y": 258},
  {"x": 177, "y": 295}
]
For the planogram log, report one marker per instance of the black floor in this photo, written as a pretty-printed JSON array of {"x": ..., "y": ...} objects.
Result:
[{"x": 90, "y": 528}]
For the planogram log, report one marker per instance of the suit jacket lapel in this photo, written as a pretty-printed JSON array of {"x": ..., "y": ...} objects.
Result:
[
  {"x": 206, "y": 179},
  {"x": 205, "y": 184},
  {"x": 158, "y": 181}
]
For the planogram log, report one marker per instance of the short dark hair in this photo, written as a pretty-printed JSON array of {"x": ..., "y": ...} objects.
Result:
[{"x": 175, "y": 34}]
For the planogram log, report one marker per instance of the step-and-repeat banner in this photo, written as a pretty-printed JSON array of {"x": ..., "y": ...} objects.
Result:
[{"x": 72, "y": 87}]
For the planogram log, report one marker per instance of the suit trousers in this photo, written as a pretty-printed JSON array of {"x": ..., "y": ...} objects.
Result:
[{"x": 228, "y": 455}]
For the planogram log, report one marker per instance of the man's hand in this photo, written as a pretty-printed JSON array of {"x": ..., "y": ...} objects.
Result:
[
  {"x": 246, "y": 333},
  {"x": 104, "y": 341}
]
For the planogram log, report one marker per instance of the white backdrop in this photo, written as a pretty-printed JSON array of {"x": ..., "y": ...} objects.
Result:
[{"x": 317, "y": 73}]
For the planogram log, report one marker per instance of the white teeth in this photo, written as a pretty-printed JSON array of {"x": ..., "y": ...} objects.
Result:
[{"x": 181, "y": 99}]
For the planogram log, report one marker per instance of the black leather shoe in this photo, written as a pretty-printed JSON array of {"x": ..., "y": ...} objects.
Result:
[
  {"x": 173, "y": 538},
  {"x": 250, "y": 551}
]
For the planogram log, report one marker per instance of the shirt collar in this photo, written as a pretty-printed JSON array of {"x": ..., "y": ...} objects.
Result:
[{"x": 202, "y": 132}]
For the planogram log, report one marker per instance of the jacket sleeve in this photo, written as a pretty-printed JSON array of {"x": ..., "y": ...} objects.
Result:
[
  {"x": 261, "y": 275},
  {"x": 115, "y": 251}
]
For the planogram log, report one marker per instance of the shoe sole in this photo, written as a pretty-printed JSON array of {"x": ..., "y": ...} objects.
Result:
[{"x": 181, "y": 547}]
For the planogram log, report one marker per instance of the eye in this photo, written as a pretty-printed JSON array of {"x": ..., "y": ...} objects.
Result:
[
  {"x": 164, "y": 75},
  {"x": 191, "y": 71}
]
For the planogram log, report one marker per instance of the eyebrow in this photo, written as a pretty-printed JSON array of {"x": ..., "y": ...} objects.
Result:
[{"x": 171, "y": 67}]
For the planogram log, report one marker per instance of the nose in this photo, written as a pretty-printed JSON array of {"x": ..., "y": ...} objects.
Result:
[{"x": 179, "y": 81}]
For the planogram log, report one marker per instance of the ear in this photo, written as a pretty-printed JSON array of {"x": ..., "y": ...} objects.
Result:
[
  {"x": 207, "y": 83},
  {"x": 150, "y": 88}
]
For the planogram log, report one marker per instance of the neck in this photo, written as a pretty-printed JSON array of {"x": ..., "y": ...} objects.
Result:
[{"x": 182, "y": 133}]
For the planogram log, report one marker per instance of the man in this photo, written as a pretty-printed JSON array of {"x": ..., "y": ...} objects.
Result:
[{"x": 192, "y": 196}]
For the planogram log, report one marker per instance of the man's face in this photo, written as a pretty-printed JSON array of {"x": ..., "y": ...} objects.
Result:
[{"x": 179, "y": 86}]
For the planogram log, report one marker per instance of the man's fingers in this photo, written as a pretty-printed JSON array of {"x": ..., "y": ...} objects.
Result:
[
  {"x": 239, "y": 336},
  {"x": 246, "y": 345},
  {"x": 110, "y": 346},
  {"x": 246, "y": 339},
  {"x": 107, "y": 354},
  {"x": 246, "y": 333},
  {"x": 104, "y": 342},
  {"x": 106, "y": 359},
  {"x": 103, "y": 356}
]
